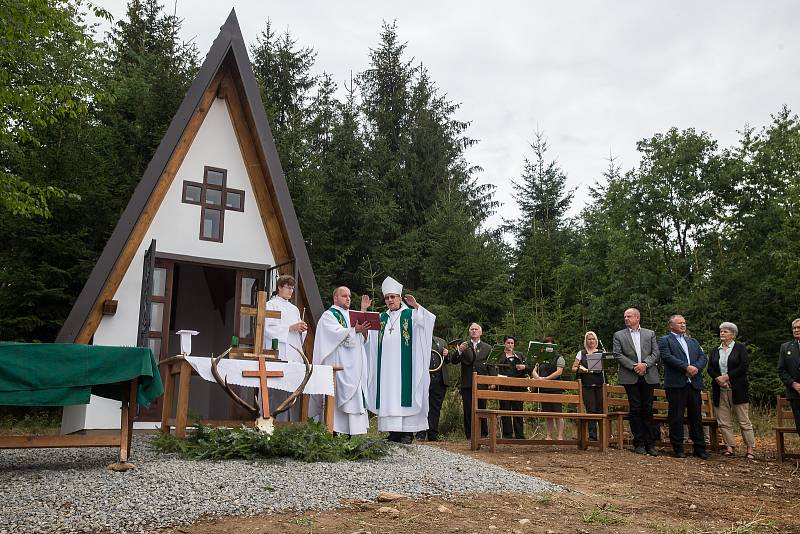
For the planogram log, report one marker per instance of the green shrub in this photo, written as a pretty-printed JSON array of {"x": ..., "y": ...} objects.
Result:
[{"x": 308, "y": 442}]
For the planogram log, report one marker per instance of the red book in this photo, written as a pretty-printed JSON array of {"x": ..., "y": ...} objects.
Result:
[{"x": 373, "y": 318}]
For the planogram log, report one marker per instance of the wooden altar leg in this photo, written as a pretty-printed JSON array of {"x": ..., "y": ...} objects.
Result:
[
  {"x": 126, "y": 426},
  {"x": 133, "y": 406},
  {"x": 182, "y": 411},
  {"x": 329, "y": 400},
  {"x": 166, "y": 407},
  {"x": 304, "y": 408}
]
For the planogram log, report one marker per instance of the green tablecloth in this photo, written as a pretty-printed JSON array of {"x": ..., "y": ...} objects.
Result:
[{"x": 60, "y": 374}]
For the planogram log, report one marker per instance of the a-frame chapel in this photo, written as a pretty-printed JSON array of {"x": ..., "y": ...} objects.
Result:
[{"x": 210, "y": 223}]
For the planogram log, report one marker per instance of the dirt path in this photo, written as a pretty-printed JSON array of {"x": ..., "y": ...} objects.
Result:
[{"x": 615, "y": 491}]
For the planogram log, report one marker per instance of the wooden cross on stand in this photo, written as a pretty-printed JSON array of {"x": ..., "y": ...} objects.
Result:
[
  {"x": 261, "y": 313},
  {"x": 262, "y": 374}
]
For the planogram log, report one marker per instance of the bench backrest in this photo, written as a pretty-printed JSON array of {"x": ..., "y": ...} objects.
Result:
[
  {"x": 561, "y": 391},
  {"x": 784, "y": 410},
  {"x": 617, "y": 401}
]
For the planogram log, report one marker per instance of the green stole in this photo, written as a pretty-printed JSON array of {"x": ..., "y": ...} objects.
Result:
[
  {"x": 339, "y": 317},
  {"x": 406, "y": 330}
]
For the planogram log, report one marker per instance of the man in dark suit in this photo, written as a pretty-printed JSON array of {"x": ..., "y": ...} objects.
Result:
[
  {"x": 789, "y": 371},
  {"x": 472, "y": 355},
  {"x": 636, "y": 352},
  {"x": 684, "y": 360}
]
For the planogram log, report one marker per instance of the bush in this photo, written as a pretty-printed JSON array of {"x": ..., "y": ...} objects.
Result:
[{"x": 307, "y": 442}]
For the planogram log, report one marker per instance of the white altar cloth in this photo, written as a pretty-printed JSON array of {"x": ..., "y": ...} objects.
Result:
[{"x": 320, "y": 382}]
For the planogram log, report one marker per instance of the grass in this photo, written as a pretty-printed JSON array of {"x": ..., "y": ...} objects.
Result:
[
  {"x": 30, "y": 421},
  {"x": 603, "y": 515}
]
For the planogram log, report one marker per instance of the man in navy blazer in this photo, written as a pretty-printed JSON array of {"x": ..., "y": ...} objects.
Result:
[{"x": 684, "y": 361}]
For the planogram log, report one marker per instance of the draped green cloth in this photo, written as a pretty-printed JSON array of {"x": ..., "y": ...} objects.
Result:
[{"x": 60, "y": 374}]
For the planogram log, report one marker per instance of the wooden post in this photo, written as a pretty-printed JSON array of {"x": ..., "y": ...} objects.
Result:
[
  {"x": 127, "y": 415},
  {"x": 492, "y": 432},
  {"x": 258, "y": 344},
  {"x": 473, "y": 416},
  {"x": 133, "y": 405},
  {"x": 329, "y": 400},
  {"x": 182, "y": 410},
  {"x": 125, "y": 424},
  {"x": 166, "y": 407},
  {"x": 304, "y": 399}
]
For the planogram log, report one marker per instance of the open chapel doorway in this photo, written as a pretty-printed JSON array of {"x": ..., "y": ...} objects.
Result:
[{"x": 206, "y": 296}]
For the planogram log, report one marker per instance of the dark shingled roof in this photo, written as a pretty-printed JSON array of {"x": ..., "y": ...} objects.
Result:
[{"x": 229, "y": 45}]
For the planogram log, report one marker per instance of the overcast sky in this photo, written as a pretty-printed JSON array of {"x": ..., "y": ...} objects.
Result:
[{"x": 595, "y": 77}]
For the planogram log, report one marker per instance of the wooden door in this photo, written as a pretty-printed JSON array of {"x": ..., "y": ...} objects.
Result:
[{"x": 159, "y": 302}]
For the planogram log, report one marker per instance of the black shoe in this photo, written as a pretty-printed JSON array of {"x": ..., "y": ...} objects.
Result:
[
  {"x": 433, "y": 437},
  {"x": 640, "y": 450},
  {"x": 406, "y": 438},
  {"x": 651, "y": 451},
  {"x": 422, "y": 435},
  {"x": 703, "y": 455},
  {"x": 679, "y": 454}
]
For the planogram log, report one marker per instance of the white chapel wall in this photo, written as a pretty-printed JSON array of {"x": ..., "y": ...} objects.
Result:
[{"x": 176, "y": 229}]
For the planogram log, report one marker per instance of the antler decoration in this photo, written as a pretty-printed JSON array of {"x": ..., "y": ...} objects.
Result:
[
  {"x": 264, "y": 424},
  {"x": 252, "y": 410},
  {"x": 292, "y": 399}
]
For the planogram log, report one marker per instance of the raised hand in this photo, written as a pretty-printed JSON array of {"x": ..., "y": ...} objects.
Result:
[
  {"x": 412, "y": 302},
  {"x": 366, "y": 302}
]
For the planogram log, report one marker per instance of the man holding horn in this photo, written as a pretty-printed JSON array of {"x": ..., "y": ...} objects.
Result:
[{"x": 399, "y": 357}]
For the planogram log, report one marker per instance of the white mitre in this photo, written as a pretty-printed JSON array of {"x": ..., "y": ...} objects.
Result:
[{"x": 391, "y": 286}]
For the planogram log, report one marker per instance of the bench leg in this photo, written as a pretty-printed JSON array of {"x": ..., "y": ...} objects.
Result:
[
  {"x": 602, "y": 436},
  {"x": 779, "y": 444},
  {"x": 714, "y": 438},
  {"x": 492, "y": 432},
  {"x": 620, "y": 433},
  {"x": 474, "y": 443}
]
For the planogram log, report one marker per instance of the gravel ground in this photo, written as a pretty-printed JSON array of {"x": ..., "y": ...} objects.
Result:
[{"x": 71, "y": 490}]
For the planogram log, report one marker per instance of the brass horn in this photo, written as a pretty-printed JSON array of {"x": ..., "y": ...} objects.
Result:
[{"x": 437, "y": 360}]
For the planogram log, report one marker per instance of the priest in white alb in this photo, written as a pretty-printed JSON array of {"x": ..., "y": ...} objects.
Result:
[
  {"x": 340, "y": 344},
  {"x": 399, "y": 358},
  {"x": 289, "y": 331}
]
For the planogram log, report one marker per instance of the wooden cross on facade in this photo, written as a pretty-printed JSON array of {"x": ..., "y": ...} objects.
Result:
[
  {"x": 214, "y": 197},
  {"x": 262, "y": 374}
]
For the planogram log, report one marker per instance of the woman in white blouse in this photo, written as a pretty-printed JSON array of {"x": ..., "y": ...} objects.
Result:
[{"x": 727, "y": 365}]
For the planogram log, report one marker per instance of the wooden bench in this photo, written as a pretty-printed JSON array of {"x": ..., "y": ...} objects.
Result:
[
  {"x": 570, "y": 394},
  {"x": 785, "y": 425},
  {"x": 617, "y": 408}
]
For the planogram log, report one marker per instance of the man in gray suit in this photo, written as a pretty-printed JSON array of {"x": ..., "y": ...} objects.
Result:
[{"x": 636, "y": 352}]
